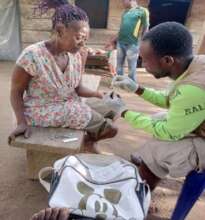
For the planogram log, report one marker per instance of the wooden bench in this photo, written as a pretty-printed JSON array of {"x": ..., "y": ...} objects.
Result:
[{"x": 49, "y": 144}]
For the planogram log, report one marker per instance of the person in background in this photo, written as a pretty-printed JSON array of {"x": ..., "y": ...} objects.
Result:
[{"x": 134, "y": 24}]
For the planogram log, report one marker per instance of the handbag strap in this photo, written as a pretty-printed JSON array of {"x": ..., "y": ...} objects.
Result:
[{"x": 41, "y": 175}]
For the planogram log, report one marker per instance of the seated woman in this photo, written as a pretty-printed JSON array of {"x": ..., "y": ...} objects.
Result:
[{"x": 46, "y": 83}]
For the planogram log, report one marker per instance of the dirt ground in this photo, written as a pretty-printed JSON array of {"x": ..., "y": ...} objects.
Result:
[{"x": 20, "y": 197}]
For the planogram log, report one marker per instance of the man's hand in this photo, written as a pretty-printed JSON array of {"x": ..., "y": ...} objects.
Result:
[
  {"x": 52, "y": 214},
  {"x": 124, "y": 82},
  {"x": 112, "y": 44},
  {"x": 21, "y": 129},
  {"x": 115, "y": 104}
]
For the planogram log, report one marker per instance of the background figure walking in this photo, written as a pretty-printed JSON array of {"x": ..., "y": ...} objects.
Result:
[{"x": 134, "y": 23}]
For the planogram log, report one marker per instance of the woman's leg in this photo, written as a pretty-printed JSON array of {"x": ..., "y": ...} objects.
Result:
[
  {"x": 132, "y": 57},
  {"x": 121, "y": 54},
  {"x": 99, "y": 106},
  {"x": 100, "y": 128}
]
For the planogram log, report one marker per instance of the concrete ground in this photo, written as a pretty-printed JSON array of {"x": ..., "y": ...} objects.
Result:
[{"x": 20, "y": 198}]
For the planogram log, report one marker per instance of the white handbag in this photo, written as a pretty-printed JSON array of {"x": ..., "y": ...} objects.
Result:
[{"x": 99, "y": 186}]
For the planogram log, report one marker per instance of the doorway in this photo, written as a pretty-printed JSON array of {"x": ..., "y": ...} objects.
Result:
[
  {"x": 168, "y": 10},
  {"x": 97, "y": 11}
]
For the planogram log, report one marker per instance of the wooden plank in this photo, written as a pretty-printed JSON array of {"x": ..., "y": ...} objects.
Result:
[{"x": 51, "y": 140}]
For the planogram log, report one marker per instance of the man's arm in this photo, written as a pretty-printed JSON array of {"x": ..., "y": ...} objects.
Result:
[
  {"x": 186, "y": 113},
  {"x": 142, "y": 25},
  {"x": 158, "y": 98},
  {"x": 155, "y": 97},
  {"x": 145, "y": 22}
]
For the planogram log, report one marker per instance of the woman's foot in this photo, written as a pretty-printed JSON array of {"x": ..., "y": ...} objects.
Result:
[
  {"x": 108, "y": 132},
  {"x": 90, "y": 142}
]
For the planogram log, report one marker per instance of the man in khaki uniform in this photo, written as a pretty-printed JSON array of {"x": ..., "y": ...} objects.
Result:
[{"x": 178, "y": 146}]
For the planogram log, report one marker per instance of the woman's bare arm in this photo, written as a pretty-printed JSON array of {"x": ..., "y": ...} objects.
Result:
[
  {"x": 19, "y": 83},
  {"x": 83, "y": 91}
]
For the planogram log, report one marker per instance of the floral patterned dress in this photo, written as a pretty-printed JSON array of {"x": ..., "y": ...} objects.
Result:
[{"x": 50, "y": 99}]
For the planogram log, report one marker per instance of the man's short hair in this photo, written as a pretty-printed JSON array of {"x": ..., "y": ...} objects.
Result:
[{"x": 170, "y": 38}]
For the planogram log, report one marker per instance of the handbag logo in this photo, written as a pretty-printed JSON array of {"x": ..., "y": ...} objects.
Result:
[{"x": 103, "y": 203}]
